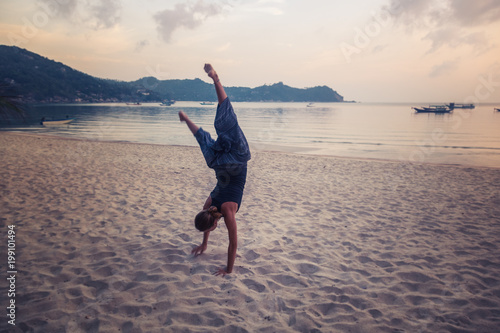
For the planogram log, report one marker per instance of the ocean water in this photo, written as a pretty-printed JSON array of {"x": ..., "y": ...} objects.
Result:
[{"x": 360, "y": 130}]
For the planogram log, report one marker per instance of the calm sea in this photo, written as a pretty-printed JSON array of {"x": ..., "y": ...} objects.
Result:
[{"x": 381, "y": 131}]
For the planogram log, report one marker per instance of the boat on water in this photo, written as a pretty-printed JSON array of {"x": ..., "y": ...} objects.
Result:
[
  {"x": 167, "y": 103},
  {"x": 310, "y": 105},
  {"x": 460, "y": 106},
  {"x": 55, "y": 122},
  {"x": 433, "y": 109},
  {"x": 207, "y": 103},
  {"x": 137, "y": 103}
]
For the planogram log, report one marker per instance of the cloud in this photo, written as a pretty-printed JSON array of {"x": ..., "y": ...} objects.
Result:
[
  {"x": 141, "y": 45},
  {"x": 449, "y": 22},
  {"x": 457, "y": 12},
  {"x": 93, "y": 14},
  {"x": 189, "y": 16},
  {"x": 59, "y": 9},
  {"x": 413, "y": 13},
  {"x": 477, "y": 12},
  {"x": 444, "y": 68},
  {"x": 454, "y": 38},
  {"x": 105, "y": 13}
]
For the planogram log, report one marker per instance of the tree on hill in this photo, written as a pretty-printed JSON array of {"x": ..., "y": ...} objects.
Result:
[{"x": 10, "y": 103}]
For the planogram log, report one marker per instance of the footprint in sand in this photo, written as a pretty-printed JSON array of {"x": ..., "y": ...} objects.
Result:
[
  {"x": 306, "y": 268},
  {"x": 251, "y": 255},
  {"x": 253, "y": 285}
]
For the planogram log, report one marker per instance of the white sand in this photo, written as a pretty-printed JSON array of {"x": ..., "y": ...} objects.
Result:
[{"x": 105, "y": 232}]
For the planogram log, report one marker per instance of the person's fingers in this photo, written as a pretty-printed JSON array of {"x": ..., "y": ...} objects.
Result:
[{"x": 220, "y": 272}]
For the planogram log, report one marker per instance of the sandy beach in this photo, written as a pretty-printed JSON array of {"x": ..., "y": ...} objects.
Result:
[{"x": 104, "y": 233}]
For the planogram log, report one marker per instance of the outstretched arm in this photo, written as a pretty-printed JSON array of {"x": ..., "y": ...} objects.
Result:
[
  {"x": 184, "y": 118},
  {"x": 219, "y": 89},
  {"x": 229, "y": 211}
]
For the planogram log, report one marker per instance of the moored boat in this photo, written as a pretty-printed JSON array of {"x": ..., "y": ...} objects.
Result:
[
  {"x": 207, "y": 103},
  {"x": 167, "y": 103},
  {"x": 460, "y": 106},
  {"x": 137, "y": 103},
  {"x": 55, "y": 122},
  {"x": 433, "y": 109}
]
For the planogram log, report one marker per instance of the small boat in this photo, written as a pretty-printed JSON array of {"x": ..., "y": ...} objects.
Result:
[
  {"x": 167, "y": 103},
  {"x": 137, "y": 103},
  {"x": 310, "y": 105},
  {"x": 207, "y": 103},
  {"x": 460, "y": 106},
  {"x": 55, "y": 122},
  {"x": 433, "y": 109}
]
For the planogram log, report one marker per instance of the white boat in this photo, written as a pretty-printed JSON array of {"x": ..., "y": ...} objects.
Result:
[
  {"x": 137, "y": 103},
  {"x": 207, "y": 103},
  {"x": 310, "y": 105},
  {"x": 56, "y": 122}
]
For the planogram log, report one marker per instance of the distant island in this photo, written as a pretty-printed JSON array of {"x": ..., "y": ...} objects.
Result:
[{"x": 37, "y": 79}]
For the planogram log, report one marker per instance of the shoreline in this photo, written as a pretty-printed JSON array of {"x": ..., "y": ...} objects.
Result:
[
  {"x": 292, "y": 150},
  {"x": 104, "y": 233}
]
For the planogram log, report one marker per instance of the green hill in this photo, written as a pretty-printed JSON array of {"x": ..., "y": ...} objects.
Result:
[{"x": 38, "y": 79}]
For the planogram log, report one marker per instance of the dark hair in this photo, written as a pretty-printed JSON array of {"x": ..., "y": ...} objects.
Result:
[{"x": 205, "y": 219}]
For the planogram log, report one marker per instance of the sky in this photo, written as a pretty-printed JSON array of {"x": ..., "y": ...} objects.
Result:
[{"x": 406, "y": 51}]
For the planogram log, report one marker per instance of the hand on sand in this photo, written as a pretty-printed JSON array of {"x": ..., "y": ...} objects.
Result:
[
  {"x": 210, "y": 71},
  {"x": 182, "y": 116},
  {"x": 199, "y": 250},
  {"x": 222, "y": 272}
]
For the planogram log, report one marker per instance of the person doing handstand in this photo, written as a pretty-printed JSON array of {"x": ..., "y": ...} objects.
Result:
[{"x": 228, "y": 157}]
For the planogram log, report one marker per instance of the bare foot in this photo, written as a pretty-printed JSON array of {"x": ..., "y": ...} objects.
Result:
[{"x": 210, "y": 71}]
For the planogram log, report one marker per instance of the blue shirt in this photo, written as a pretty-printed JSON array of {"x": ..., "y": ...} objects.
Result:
[{"x": 231, "y": 146}]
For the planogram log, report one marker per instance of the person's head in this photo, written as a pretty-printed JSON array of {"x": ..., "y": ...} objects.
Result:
[{"x": 207, "y": 219}]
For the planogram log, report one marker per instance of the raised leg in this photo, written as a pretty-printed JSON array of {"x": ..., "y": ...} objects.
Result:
[
  {"x": 219, "y": 89},
  {"x": 184, "y": 118}
]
